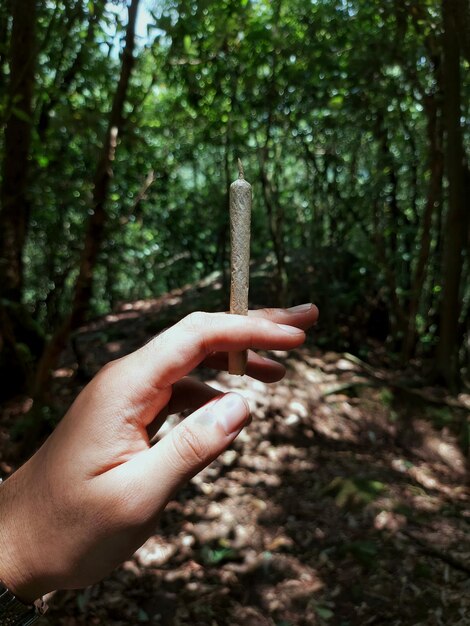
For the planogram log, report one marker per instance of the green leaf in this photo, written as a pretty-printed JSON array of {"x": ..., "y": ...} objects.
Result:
[
  {"x": 324, "y": 612},
  {"x": 187, "y": 44},
  {"x": 336, "y": 102},
  {"x": 21, "y": 115},
  {"x": 143, "y": 616},
  {"x": 42, "y": 160},
  {"x": 354, "y": 491},
  {"x": 213, "y": 556}
]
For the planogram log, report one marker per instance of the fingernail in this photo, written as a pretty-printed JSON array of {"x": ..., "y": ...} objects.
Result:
[
  {"x": 300, "y": 308},
  {"x": 232, "y": 412},
  {"x": 291, "y": 329}
]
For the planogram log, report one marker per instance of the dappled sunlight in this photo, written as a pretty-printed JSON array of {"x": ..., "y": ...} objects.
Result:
[
  {"x": 344, "y": 500},
  {"x": 63, "y": 372},
  {"x": 337, "y": 489}
]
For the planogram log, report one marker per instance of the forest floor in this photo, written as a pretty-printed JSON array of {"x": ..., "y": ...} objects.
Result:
[{"x": 345, "y": 501}]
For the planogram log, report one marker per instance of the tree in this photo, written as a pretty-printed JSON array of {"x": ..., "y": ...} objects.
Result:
[
  {"x": 456, "y": 227},
  {"x": 349, "y": 206},
  {"x": 14, "y": 198},
  {"x": 19, "y": 338},
  {"x": 97, "y": 217}
]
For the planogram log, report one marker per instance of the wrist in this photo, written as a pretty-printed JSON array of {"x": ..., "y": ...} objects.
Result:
[
  {"x": 10, "y": 578},
  {"x": 16, "y": 574},
  {"x": 13, "y": 612}
]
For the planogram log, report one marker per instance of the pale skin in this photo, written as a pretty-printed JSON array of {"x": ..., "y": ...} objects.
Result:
[{"x": 94, "y": 491}]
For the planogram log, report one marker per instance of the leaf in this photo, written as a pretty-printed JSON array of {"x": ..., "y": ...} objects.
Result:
[
  {"x": 336, "y": 102},
  {"x": 187, "y": 44},
  {"x": 354, "y": 491},
  {"x": 21, "y": 115},
  {"x": 324, "y": 612},
  {"x": 213, "y": 556}
]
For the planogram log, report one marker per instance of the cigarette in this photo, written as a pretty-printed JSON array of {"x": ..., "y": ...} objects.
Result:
[{"x": 240, "y": 221}]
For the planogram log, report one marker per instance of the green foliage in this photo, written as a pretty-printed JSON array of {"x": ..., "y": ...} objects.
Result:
[
  {"x": 219, "y": 553},
  {"x": 324, "y": 612},
  {"x": 441, "y": 416},
  {"x": 354, "y": 492},
  {"x": 328, "y": 104}
]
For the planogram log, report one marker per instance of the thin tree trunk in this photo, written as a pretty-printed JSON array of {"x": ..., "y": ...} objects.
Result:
[
  {"x": 390, "y": 276},
  {"x": 436, "y": 165},
  {"x": 14, "y": 202},
  {"x": 5, "y": 12},
  {"x": 461, "y": 11},
  {"x": 457, "y": 216},
  {"x": 387, "y": 247},
  {"x": 276, "y": 226},
  {"x": 222, "y": 235},
  {"x": 274, "y": 207},
  {"x": 96, "y": 223}
]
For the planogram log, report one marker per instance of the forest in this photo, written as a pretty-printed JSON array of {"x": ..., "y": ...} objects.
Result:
[{"x": 121, "y": 123}]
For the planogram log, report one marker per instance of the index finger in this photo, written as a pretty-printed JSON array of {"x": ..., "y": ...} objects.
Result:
[
  {"x": 175, "y": 352},
  {"x": 303, "y": 316}
]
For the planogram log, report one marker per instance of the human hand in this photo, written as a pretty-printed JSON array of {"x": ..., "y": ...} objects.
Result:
[{"x": 92, "y": 493}]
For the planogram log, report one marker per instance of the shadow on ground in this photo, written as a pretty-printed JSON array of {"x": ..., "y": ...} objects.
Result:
[{"x": 345, "y": 502}]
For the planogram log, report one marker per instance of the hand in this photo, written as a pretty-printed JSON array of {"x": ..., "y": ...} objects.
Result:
[{"x": 92, "y": 493}]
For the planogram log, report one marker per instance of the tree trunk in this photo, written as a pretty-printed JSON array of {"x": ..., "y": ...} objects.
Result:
[
  {"x": 15, "y": 209},
  {"x": 16, "y": 325},
  {"x": 5, "y": 12},
  {"x": 276, "y": 226},
  {"x": 436, "y": 166},
  {"x": 387, "y": 247},
  {"x": 457, "y": 216},
  {"x": 94, "y": 234},
  {"x": 224, "y": 224},
  {"x": 461, "y": 10}
]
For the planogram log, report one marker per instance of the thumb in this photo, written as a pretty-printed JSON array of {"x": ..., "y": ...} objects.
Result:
[{"x": 191, "y": 446}]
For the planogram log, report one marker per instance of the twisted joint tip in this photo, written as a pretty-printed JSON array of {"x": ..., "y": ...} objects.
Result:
[{"x": 241, "y": 173}]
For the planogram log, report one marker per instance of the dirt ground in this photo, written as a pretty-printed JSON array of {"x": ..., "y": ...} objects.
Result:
[{"x": 345, "y": 502}]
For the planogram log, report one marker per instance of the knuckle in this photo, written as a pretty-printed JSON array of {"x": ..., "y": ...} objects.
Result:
[
  {"x": 271, "y": 314},
  {"x": 107, "y": 368},
  {"x": 189, "y": 448},
  {"x": 197, "y": 324},
  {"x": 110, "y": 368},
  {"x": 109, "y": 377},
  {"x": 196, "y": 321}
]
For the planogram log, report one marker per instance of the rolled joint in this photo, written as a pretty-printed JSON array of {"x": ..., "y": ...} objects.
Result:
[
  {"x": 237, "y": 362},
  {"x": 240, "y": 219}
]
